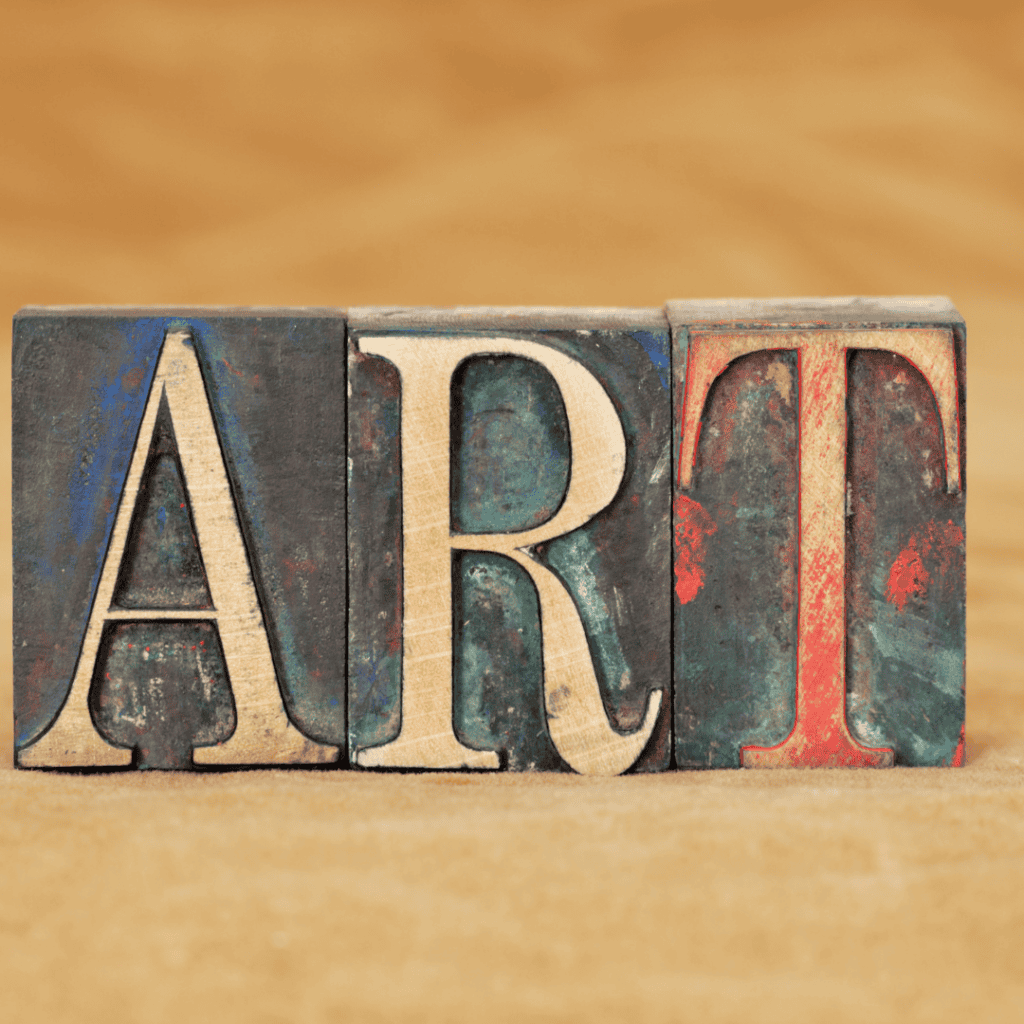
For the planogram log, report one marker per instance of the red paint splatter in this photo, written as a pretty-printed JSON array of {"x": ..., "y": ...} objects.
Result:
[
  {"x": 693, "y": 526},
  {"x": 959, "y": 753},
  {"x": 938, "y": 544},
  {"x": 907, "y": 577},
  {"x": 130, "y": 381},
  {"x": 237, "y": 373}
]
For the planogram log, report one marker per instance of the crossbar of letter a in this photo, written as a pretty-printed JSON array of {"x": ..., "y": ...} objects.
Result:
[
  {"x": 577, "y": 722},
  {"x": 820, "y": 735}
]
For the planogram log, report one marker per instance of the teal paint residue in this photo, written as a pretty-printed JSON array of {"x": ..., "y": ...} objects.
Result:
[
  {"x": 922, "y": 680},
  {"x": 510, "y": 450},
  {"x": 905, "y": 657},
  {"x": 919, "y": 650},
  {"x": 734, "y": 645},
  {"x": 498, "y": 664},
  {"x": 577, "y": 562}
]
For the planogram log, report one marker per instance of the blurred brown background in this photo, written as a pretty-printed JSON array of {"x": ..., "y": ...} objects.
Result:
[{"x": 602, "y": 152}]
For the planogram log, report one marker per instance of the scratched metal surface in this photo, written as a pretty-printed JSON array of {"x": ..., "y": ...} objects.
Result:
[
  {"x": 80, "y": 386},
  {"x": 511, "y": 460}
]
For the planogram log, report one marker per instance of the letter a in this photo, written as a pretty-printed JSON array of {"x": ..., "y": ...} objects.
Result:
[
  {"x": 263, "y": 734},
  {"x": 577, "y": 720}
]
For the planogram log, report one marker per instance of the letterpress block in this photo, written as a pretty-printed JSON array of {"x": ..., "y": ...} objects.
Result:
[
  {"x": 509, "y": 495},
  {"x": 179, "y": 523},
  {"x": 819, "y": 532}
]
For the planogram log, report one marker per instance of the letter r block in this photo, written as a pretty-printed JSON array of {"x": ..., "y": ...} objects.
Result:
[
  {"x": 819, "y": 532},
  {"x": 509, "y": 497},
  {"x": 179, "y": 523}
]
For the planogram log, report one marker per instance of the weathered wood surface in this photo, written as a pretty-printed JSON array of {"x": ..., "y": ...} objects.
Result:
[
  {"x": 820, "y": 581},
  {"x": 182, "y": 541},
  {"x": 509, "y": 539},
  {"x": 178, "y": 537}
]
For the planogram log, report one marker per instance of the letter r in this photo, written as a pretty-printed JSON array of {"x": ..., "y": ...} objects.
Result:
[{"x": 577, "y": 720}]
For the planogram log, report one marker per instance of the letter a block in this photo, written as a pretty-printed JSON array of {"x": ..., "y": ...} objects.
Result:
[
  {"x": 818, "y": 532},
  {"x": 179, "y": 523},
  {"x": 509, "y": 539}
]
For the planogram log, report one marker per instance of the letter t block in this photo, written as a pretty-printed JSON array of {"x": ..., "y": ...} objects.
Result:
[{"x": 819, "y": 532}]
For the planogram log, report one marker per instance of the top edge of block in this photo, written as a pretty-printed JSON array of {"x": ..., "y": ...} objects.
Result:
[
  {"x": 490, "y": 318},
  {"x": 852, "y": 310},
  {"x": 181, "y": 312}
]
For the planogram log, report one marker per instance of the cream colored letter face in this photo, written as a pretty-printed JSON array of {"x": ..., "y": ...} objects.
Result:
[
  {"x": 263, "y": 734},
  {"x": 577, "y": 721}
]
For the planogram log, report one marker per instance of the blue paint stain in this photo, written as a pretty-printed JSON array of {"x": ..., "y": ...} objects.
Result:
[
  {"x": 161, "y": 518},
  {"x": 101, "y": 441},
  {"x": 108, "y": 433},
  {"x": 656, "y": 347}
]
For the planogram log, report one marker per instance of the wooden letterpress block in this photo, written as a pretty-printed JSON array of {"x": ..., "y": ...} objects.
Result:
[
  {"x": 819, "y": 532},
  {"x": 179, "y": 522},
  {"x": 509, "y": 494}
]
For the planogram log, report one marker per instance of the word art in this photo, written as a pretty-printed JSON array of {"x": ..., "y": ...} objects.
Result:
[{"x": 718, "y": 534}]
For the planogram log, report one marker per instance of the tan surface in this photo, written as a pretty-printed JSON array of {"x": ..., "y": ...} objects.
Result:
[{"x": 593, "y": 152}]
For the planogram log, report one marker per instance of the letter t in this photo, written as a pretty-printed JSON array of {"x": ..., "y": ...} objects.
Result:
[{"x": 820, "y": 735}]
